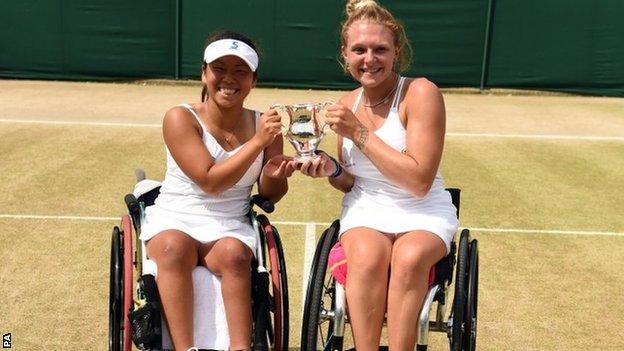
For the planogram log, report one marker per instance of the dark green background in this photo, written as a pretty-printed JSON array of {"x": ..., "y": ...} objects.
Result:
[{"x": 564, "y": 45}]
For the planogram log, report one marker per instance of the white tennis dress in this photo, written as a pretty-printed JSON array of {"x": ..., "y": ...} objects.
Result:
[
  {"x": 184, "y": 206},
  {"x": 376, "y": 203}
]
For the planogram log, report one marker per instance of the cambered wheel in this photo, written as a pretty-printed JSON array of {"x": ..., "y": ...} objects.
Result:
[
  {"x": 470, "y": 314},
  {"x": 317, "y": 332},
  {"x": 279, "y": 332},
  {"x": 115, "y": 307},
  {"x": 128, "y": 268},
  {"x": 461, "y": 291}
]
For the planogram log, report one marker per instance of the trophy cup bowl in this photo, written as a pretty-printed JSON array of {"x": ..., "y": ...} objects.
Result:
[{"x": 303, "y": 125}]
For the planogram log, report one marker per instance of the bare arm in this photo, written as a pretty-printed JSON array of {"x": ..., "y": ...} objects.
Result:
[
  {"x": 273, "y": 183},
  {"x": 415, "y": 169},
  {"x": 344, "y": 181},
  {"x": 182, "y": 135}
]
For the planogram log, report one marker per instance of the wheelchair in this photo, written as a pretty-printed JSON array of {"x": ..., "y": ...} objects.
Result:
[
  {"x": 325, "y": 316},
  {"x": 132, "y": 282}
]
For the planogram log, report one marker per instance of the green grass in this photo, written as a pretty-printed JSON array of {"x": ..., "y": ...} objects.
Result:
[
  {"x": 54, "y": 287},
  {"x": 567, "y": 185},
  {"x": 550, "y": 292},
  {"x": 537, "y": 291}
]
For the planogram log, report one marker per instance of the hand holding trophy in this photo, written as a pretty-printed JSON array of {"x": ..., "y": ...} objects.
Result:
[{"x": 303, "y": 125}]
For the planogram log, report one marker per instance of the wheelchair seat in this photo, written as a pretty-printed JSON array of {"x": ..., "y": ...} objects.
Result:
[
  {"x": 440, "y": 273},
  {"x": 337, "y": 266},
  {"x": 209, "y": 321},
  {"x": 325, "y": 309},
  {"x": 269, "y": 284}
]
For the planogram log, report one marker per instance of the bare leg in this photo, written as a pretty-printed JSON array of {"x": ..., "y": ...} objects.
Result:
[
  {"x": 175, "y": 254},
  {"x": 413, "y": 255},
  {"x": 368, "y": 256},
  {"x": 230, "y": 259}
]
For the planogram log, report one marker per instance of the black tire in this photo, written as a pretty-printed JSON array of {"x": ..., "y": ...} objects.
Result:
[
  {"x": 472, "y": 298},
  {"x": 320, "y": 290},
  {"x": 460, "y": 297},
  {"x": 128, "y": 283},
  {"x": 115, "y": 302}
]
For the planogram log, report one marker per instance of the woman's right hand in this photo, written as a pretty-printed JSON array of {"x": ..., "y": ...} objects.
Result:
[
  {"x": 342, "y": 121},
  {"x": 269, "y": 127}
]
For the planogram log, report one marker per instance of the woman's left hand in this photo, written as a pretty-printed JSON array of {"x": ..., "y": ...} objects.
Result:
[
  {"x": 278, "y": 167},
  {"x": 320, "y": 166}
]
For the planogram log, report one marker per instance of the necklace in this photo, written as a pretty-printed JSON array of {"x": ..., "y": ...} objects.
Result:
[
  {"x": 385, "y": 99},
  {"x": 229, "y": 137}
]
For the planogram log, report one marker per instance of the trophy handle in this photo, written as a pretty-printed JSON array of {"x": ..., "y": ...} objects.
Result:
[
  {"x": 284, "y": 113},
  {"x": 322, "y": 110}
]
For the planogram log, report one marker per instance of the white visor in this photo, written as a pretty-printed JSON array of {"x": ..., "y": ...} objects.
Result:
[{"x": 237, "y": 48}]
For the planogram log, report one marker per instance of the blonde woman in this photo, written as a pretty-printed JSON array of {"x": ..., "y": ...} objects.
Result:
[{"x": 397, "y": 219}]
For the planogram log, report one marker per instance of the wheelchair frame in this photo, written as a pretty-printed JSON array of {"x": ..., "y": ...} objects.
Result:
[
  {"x": 269, "y": 278},
  {"x": 325, "y": 311}
]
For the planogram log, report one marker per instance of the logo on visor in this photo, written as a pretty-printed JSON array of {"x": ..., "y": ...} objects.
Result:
[{"x": 234, "y": 45}]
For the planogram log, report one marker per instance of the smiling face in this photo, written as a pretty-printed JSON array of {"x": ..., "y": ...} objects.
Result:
[
  {"x": 370, "y": 52},
  {"x": 228, "y": 80}
]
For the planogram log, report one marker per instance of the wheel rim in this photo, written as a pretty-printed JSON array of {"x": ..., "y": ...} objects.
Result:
[
  {"x": 318, "y": 294},
  {"x": 470, "y": 320},
  {"x": 128, "y": 304},
  {"x": 285, "y": 316},
  {"x": 279, "y": 285},
  {"x": 325, "y": 328},
  {"x": 459, "y": 300}
]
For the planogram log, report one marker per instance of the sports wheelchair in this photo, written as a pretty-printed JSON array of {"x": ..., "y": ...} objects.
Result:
[
  {"x": 325, "y": 316},
  {"x": 133, "y": 301}
]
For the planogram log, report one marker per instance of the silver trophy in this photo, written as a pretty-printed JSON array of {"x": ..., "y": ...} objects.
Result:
[{"x": 303, "y": 125}]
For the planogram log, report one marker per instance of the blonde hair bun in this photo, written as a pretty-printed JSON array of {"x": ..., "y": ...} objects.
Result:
[
  {"x": 356, "y": 5},
  {"x": 371, "y": 11}
]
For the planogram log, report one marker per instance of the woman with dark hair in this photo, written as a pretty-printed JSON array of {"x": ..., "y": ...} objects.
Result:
[{"x": 216, "y": 151}]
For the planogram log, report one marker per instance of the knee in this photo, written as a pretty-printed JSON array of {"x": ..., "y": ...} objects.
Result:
[
  {"x": 410, "y": 265},
  {"x": 235, "y": 256},
  {"x": 367, "y": 261},
  {"x": 175, "y": 254}
]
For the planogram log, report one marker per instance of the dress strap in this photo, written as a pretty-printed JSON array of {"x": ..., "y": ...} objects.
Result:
[
  {"x": 194, "y": 113},
  {"x": 357, "y": 101},
  {"x": 399, "y": 92},
  {"x": 257, "y": 114}
]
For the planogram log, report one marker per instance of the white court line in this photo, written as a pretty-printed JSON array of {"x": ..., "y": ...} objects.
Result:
[
  {"x": 326, "y": 224},
  {"x": 543, "y": 231},
  {"x": 538, "y": 136},
  {"x": 73, "y": 218},
  {"x": 81, "y": 123},
  {"x": 468, "y": 135},
  {"x": 303, "y": 223}
]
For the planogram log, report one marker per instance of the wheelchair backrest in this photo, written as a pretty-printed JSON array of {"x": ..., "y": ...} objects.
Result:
[
  {"x": 455, "y": 196},
  {"x": 149, "y": 197}
]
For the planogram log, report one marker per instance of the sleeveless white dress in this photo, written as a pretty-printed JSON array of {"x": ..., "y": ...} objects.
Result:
[
  {"x": 183, "y": 206},
  {"x": 376, "y": 203}
]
